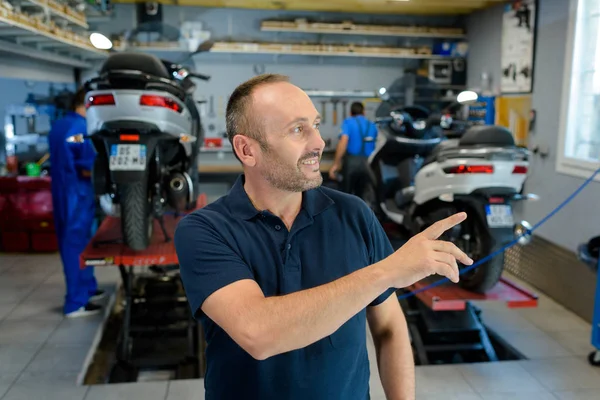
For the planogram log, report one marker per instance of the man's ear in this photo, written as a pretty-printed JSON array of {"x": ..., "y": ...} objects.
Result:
[{"x": 242, "y": 146}]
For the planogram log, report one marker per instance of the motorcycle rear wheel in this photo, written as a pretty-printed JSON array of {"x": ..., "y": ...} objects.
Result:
[{"x": 136, "y": 216}]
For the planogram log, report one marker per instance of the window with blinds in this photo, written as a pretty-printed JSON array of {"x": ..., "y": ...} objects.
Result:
[{"x": 581, "y": 138}]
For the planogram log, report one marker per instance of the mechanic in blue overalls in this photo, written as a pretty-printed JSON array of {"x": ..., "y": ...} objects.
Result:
[
  {"x": 356, "y": 143},
  {"x": 74, "y": 206}
]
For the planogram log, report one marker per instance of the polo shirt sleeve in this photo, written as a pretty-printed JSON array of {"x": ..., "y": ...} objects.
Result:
[
  {"x": 207, "y": 262},
  {"x": 379, "y": 249}
]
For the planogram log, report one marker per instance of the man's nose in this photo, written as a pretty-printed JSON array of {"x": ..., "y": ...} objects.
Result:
[{"x": 316, "y": 141}]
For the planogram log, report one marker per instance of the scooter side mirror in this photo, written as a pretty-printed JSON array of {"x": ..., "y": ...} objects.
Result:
[{"x": 522, "y": 232}]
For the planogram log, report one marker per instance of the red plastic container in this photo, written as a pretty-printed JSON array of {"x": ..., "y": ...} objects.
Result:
[{"x": 26, "y": 222}]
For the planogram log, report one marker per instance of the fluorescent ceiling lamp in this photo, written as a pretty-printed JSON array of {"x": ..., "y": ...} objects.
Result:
[
  {"x": 100, "y": 41},
  {"x": 466, "y": 96}
]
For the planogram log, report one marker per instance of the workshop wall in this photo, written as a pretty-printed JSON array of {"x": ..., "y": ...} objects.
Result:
[
  {"x": 18, "y": 89},
  {"x": 16, "y": 67},
  {"x": 580, "y": 220},
  {"x": 484, "y": 34},
  {"x": 309, "y": 72}
]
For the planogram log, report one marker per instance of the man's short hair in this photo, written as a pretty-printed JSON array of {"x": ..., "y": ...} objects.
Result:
[
  {"x": 78, "y": 99},
  {"x": 357, "y": 108},
  {"x": 237, "y": 116}
]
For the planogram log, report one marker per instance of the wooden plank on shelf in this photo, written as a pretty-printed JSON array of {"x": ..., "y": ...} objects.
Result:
[
  {"x": 422, "y": 52},
  {"x": 350, "y": 28},
  {"x": 63, "y": 11}
]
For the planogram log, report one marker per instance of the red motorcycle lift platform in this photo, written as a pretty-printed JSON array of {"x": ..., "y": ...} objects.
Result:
[
  {"x": 104, "y": 249},
  {"x": 158, "y": 330},
  {"x": 451, "y": 297}
]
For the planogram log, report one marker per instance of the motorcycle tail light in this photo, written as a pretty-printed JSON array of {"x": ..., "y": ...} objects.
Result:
[
  {"x": 496, "y": 200},
  {"x": 520, "y": 169},
  {"x": 100, "y": 100},
  {"x": 129, "y": 137},
  {"x": 151, "y": 100},
  {"x": 470, "y": 169}
]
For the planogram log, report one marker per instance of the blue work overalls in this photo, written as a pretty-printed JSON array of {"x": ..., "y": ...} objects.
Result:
[
  {"x": 74, "y": 205},
  {"x": 361, "y": 142}
]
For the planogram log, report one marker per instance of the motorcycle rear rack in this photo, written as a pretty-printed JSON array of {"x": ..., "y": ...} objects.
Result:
[{"x": 485, "y": 153}]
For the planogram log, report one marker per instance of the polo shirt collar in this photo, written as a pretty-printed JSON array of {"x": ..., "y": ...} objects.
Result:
[{"x": 314, "y": 201}]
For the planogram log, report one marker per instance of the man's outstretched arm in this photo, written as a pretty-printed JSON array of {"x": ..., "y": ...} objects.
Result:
[
  {"x": 223, "y": 286},
  {"x": 395, "y": 360}
]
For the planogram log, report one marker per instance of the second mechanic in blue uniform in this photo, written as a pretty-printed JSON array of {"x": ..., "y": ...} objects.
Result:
[{"x": 356, "y": 143}]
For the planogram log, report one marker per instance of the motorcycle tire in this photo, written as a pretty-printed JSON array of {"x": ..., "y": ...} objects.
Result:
[
  {"x": 485, "y": 276},
  {"x": 136, "y": 216}
]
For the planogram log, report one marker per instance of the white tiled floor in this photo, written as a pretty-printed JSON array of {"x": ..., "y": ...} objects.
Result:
[{"x": 42, "y": 354}]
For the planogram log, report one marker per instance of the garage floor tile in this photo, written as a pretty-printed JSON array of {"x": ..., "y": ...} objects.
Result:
[
  {"x": 26, "y": 331},
  {"x": 580, "y": 394},
  {"x": 446, "y": 379},
  {"x": 128, "y": 391},
  {"x": 555, "y": 320},
  {"x": 451, "y": 396},
  {"x": 6, "y": 381},
  {"x": 577, "y": 342},
  {"x": 536, "y": 344},
  {"x": 538, "y": 395},
  {"x": 186, "y": 390},
  {"x": 567, "y": 373},
  {"x": 6, "y": 309},
  {"x": 499, "y": 377},
  {"x": 59, "y": 358},
  {"x": 46, "y": 391},
  {"x": 15, "y": 357},
  {"x": 34, "y": 309}
]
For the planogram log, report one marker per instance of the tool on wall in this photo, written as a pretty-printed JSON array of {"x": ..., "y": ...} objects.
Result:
[
  {"x": 211, "y": 107},
  {"x": 334, "y": 102},
  {"x": 344, "y": 110},
  {"x": 323, "y": 110}
]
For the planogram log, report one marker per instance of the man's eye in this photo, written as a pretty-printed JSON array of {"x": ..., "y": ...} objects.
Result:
[
  {"x": 317, "y": 125},
  {"x": 298, "y": 129}
]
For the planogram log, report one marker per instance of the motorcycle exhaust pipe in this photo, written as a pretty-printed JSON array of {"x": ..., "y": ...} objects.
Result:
[{"x": 180, "y": 191}]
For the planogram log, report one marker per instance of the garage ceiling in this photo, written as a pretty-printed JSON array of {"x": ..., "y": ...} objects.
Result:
[{"x": 354, "y": 6}]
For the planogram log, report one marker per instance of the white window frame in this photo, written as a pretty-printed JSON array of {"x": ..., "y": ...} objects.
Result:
[{"x": 569, "y": 165}]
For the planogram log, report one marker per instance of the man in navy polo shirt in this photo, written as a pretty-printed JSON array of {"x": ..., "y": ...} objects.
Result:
[{"x": 284, "y": 274}]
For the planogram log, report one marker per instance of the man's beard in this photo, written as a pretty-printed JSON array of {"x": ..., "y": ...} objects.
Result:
[{"x": 284, "y": 176}]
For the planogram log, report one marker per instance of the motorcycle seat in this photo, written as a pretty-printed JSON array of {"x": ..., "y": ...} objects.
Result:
[
  {"x": 487, "y": 135},
  {"x": 446, "y": 144},
  {"x": 146, "y": 63}
]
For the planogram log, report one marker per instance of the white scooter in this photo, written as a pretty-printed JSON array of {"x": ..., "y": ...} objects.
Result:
[{"x": 421, "y": 176}]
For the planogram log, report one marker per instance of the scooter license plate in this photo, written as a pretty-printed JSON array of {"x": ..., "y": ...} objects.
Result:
[
  {"x": 499, "y": 215},
  {"x": 127, "y": 157}
]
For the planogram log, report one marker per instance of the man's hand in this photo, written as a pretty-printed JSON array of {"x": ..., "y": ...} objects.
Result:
[
  {"x": 333, "y": 171},
  {"x": 423, "y": 255}
]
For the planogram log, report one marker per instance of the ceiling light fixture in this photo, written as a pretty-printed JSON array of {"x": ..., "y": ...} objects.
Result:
[{"x": 100, "y": 41}]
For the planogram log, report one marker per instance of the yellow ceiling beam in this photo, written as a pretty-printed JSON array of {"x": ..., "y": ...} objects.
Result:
[{"x": 424, "y": 7}]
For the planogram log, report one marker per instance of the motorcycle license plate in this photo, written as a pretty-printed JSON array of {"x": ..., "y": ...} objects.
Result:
[
  {"x": 127, "y": 157},
  {"x": 499, "y": 215}
]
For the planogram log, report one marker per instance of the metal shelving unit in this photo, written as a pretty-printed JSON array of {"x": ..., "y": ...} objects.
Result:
[{"x": 46, "y": 30}]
